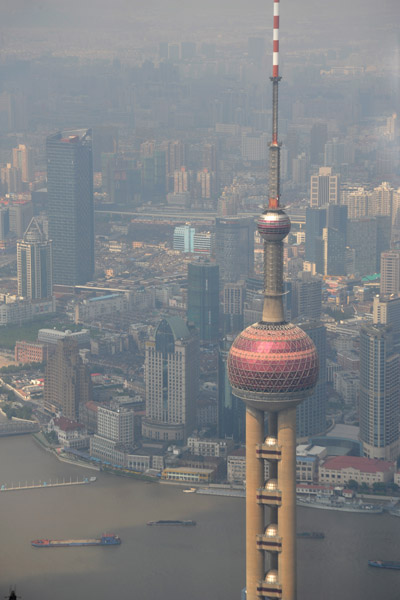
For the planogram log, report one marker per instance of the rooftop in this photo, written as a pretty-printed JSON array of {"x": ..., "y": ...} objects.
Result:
[{"x": 360, "y": 463}]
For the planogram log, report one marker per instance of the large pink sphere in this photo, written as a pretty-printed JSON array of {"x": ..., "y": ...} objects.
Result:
[
  {"x": 273, "y": 225},
  {"x": 273, "y": 359}
]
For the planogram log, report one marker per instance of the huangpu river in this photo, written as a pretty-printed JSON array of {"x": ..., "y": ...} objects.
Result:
[{"x": 206, "y": 562}]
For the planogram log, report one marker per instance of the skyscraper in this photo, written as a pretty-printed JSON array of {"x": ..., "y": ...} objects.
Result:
[
  {"x": 23, "y": 160},
  {"x": 34, "y": 263},
  {"x": 325, "y": 188},
  {"x": 231, "y": 410},
  {"x": 272, "y": 366},
  {"x": 379, "y": 393},
  {"x": 315, "y": 222},
  {"x": 172, "y": 381},
  {"x": 306, "y": 296},
  {"x": 311, "y": 414},
  {"x": 234, "y": 248},
  {"x": 67, "y": 382},
  {"x": 390, "y": 272},
  {"x": 70, "y": 202},
  {"x": 203, "y": 299}
]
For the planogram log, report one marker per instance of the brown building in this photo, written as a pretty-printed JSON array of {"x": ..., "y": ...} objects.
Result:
[
  {"x": 67, "y": 381},
  {"x": 28, "y": 352}
]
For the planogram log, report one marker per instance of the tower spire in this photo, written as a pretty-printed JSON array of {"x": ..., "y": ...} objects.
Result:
[{"x": 272, "y": 366}]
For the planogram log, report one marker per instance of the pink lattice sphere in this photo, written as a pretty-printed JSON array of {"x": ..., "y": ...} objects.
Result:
[
  {"x": 273, "y": 225},
  {"x": 273, "y": 359}
]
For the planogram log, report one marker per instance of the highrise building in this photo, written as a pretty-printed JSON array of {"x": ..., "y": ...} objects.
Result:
[
  {"x": 23, "y": 160},
  {"x": 306, "y": 301},
  {"x": 358, "y": 202},
  {"x": 21, "y": 213},
  {"x": 34, "y": 263},
  {"x": 315, "y": 222},
  {"x": 311, "y": 414},
  {"x": 70, "y": 205},
  {"x": 233, "y": 304},
  {"x": 379, "y": 393},
  {"x": 203, "y": 299},
  {"x": 325, "y": 188},
  {"x": 334, "y": 249},
  {"x": 67, "y": 382},
  {"x": 362, "y": 238},
  {"x": 231, "y": 410},
  {"x": 234, "y": 248},
  {"x": 382, "y": 198},
  {"x": 386, "y": 311},
  {"x": 11, "y": 179},
  {"x": 116, "y": 423},
  {"x": 390, "y": 272},
  {"x": 318, "y": 138},
  {"x": 272, "y": 366},
  {"x": 172, "y": 381}
]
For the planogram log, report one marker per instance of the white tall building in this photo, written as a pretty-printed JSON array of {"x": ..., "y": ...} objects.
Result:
[
  {"x": 172, "y": 381},
  {"x": 325, "y": 188},
  {"x": 116, "y": 423}
]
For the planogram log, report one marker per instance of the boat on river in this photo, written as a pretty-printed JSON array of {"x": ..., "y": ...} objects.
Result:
[
  {"x": 105, "y": 540},
  {"x": 333, "y": 503},
  {"x": 182, "y": 523},
  {"x": 311, "y": 535},
  {"x": 384, "y": 564}
]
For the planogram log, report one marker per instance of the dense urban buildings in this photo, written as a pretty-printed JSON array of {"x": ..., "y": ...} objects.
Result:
[{"x": 70, "y": 205}]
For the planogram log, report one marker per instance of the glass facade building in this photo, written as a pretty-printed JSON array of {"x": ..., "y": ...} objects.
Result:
[
  {"x": 203, "y": 299},
  {"x": 70, "y": 201}
]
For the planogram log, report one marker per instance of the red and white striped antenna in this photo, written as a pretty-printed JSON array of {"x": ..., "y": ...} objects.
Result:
[
  {"x": 275, "y": 55},
  {"x": 274, "y": 149}
]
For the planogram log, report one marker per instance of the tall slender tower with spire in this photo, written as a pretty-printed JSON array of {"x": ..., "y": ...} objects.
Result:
[{"x": 272, "y": 366}]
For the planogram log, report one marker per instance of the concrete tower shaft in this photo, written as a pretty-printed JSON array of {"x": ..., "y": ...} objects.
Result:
[{"x": 272, "y": 367}]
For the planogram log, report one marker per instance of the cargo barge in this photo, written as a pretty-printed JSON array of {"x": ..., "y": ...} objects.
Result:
[
  {"x": 311, "y": 535},
  {"x": 384, "y": 564},
  {"x": 183, "y": 523},
  {"x": 105, "y": 540}
]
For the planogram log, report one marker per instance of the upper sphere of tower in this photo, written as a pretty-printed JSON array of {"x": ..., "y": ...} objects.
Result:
[
  {"x": 273, "y": 225},
  {"x": 272, "y": 365}
]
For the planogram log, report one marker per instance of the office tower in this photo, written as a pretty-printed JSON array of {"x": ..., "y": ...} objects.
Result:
[
  {"x": 70, "y": 205},
  {"x": 306, "y": 298},
  {"x": 11, "y": 179},
  {"x": 23, "y": 160},
  {"x": 116, "y": 423},
  {"x": 67, "y": 382},
  {"x": 154, "y": 174},
  {"x": 4, "y": 222},
  {"x": 383, "y": 237},
  {"x": 34, "y": 263},
  {"x": 183, "y": 239},
  {"x": 315, "y": 223},
  {"x": 311, "y": 414},
  {"x": 233, "y": 303},
  {"x": 21, "y": 213},
  {"x": 390, "y": 272},
  {"x": 300, "y": 170},
  {"x": 379, "y": 393},
  {"x": 203, "y": 299},
  {"x": 318, "y": 138},
  {"x": 362, "y": 237},
  {"x": 105, "y": 141},
  {"x": 231, "y": 410},
  {"x": 234, "y": 248},
  {"x": 272, "y": 366},
  {"x": 334, "y": 248},
  {"x": 325, "y": 188},
  {"x": 172, "y": 381},
  {"x": 386, "y": 311}
]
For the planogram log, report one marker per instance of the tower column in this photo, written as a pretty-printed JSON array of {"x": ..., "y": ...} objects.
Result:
[
  {"x": 287, "y": 510},
  {"x": 254, "y": 511}
]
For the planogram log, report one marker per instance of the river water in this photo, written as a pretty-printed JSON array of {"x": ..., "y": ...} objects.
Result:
[{"x": 205, "y": 562}]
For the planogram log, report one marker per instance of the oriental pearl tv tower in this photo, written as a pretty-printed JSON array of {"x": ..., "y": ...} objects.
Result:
[{"x": 272, "y": 367}]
